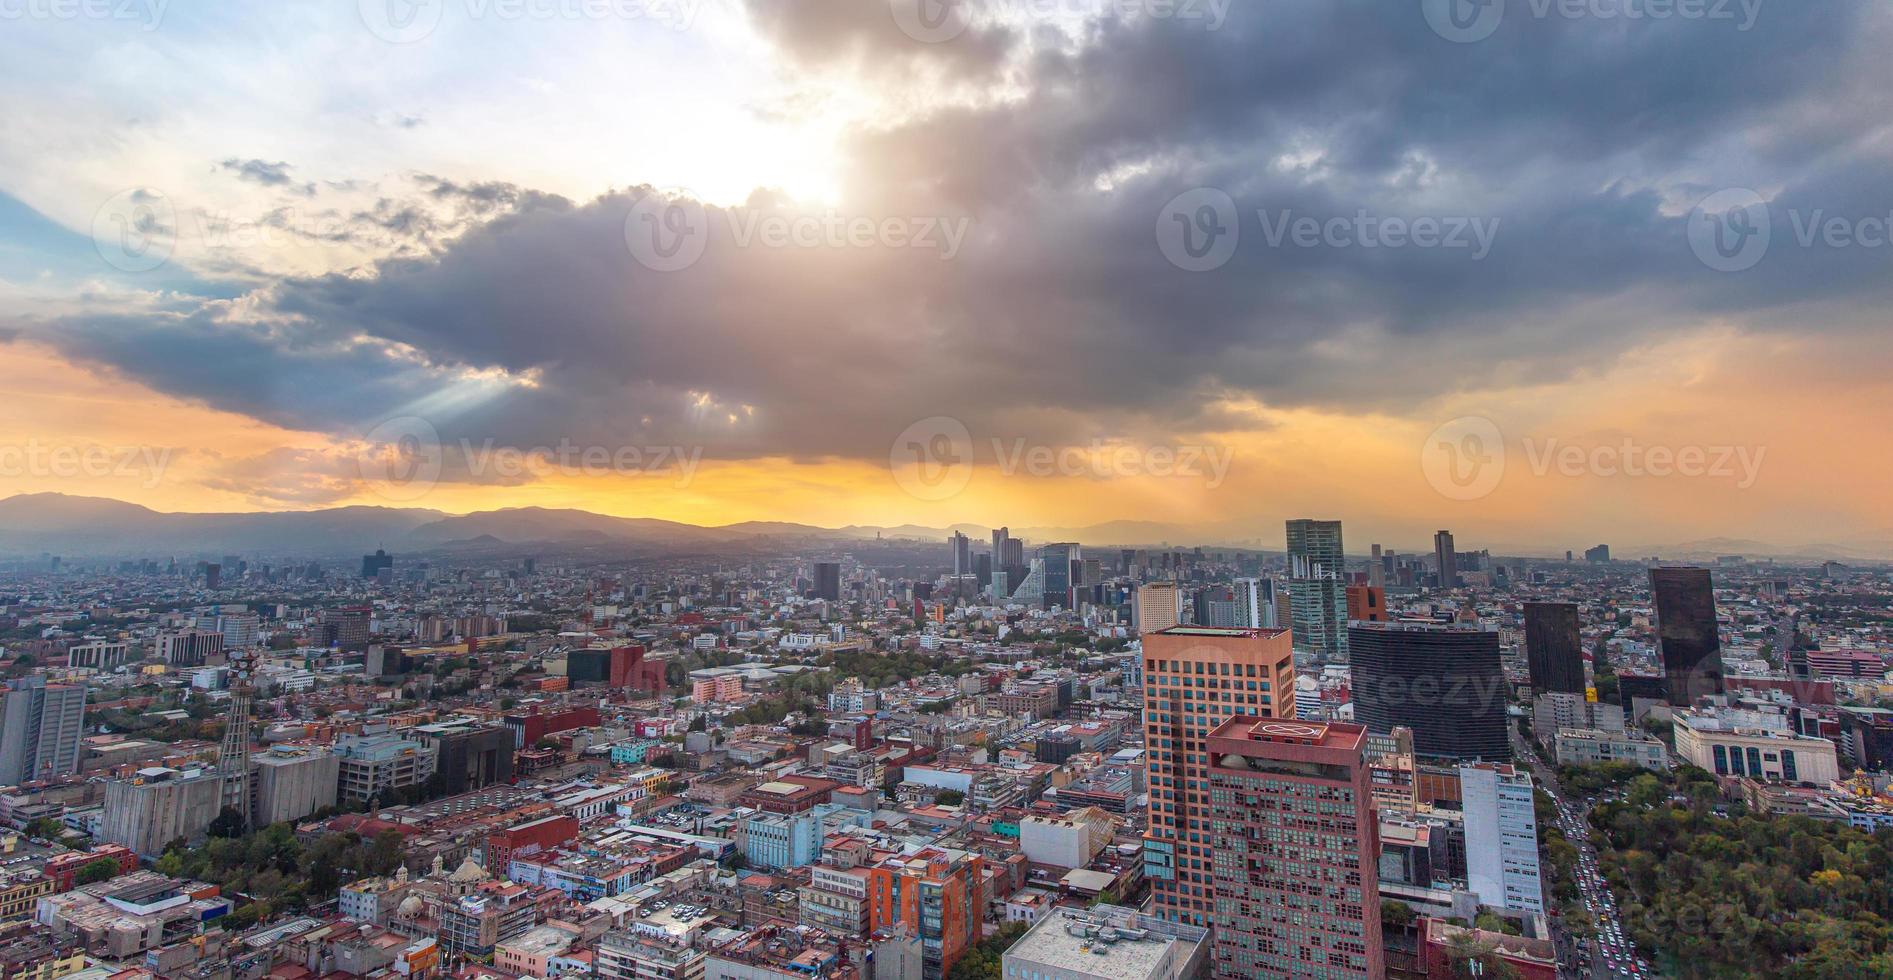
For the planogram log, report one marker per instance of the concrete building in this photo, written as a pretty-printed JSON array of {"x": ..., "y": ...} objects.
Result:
[
  {"x": 1107, "y": 942},
  {"x": 189, "y": 648},
  {"x": 159, "y": 805},
  {"x": 1195, "y": 678},
  {"x": 1501, "y": 837},
  {"x": 631, "y": 956},
  {"x": 1066, "y": 841},
  {"x": 1555, "y": 711},
  {"x": 100, "y": 655},
  {"x": 1589, "y": 747},
  {"x": 1294, "y": 851},
  {"x": 1726, "y": 747},
  {"x": 1159, "y": 607},
  {"x": 292, "y": 781},
  {"x": 1316, "y": 588},
  {"x": 372, "y": 765},
  {"x": 40, "y": 728}
]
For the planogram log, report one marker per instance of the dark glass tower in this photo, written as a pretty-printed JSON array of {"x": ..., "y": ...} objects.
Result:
[
  {"x": 1442, "y": 680},
  {"x": 828, "y": 580},
  {"x": 1553, "y": 650},
  {"x": 1686, "y": 629}
]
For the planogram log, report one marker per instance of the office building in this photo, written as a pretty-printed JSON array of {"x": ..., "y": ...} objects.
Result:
[
  {"x": 1593, "y": 746},
  {"x": 1256, "y": 604},
  {"x": 373, "y": 766},
  {"x": 1159, "y": 607},
  {"x": 1366, "y": 604},
  {"x": 373, "y": 564},
  {"x": 1057, "y": 561},
  {"x": 1317, "y": 599},
  {"x": 1558, "y": 710},
  {"x": 470, "y": 756},
  {"x": 962, "y": 547},
  {"x": 189, "y": 648},
  {"x": 1729, "y": 743},
  {"x": 1686, "y": 630},
  {"x": 827, "y": 581},
  {"x": 345, "y": 627},
  {"x": 1195, "y": 678},
  {"x": 1554, "y": 652},
  {"x": 240, "y": 630},
  {"x": 1442, "y": 680},
  {"x": 40, "y": 728},
  {"x": 646, "y": 956},
  {"x": 1445, "y": 560},
  {"x": 1501, "y": 837},
  {"x": 99, "y": 655},
  {"x": 1599, "y": 554},
  {"x": 1294, "y": 844},
  {"x": 1064, "y": 945}
]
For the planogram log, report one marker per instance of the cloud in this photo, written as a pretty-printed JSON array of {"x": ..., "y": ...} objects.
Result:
[
  {"x": 502, "y": 312},
  {"x": 269, "y": 175}
]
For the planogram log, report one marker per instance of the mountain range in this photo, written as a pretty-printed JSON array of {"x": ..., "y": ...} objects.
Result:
[{"x": 62, "y": 524}]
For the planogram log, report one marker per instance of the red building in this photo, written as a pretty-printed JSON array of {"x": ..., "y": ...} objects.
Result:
[
  {"x": 64, "y": 868},
  {"x": 537, "y": 835},
  {"x": 1367, "y": 603},
  {"x": 1531, "y": 959},
  {"x": 856, "y": 730},
  {"x": 530, "y": 727},
  {"x": 1295, "y": 877},
  {"x": 618, "y": 667},
  {"x": 789, "y": 795}
]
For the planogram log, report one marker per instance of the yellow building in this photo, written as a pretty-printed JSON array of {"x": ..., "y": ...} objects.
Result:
[{"x": 20, "y": 891}]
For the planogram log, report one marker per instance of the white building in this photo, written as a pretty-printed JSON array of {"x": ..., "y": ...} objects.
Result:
[
  {"x": 1067, "y": 841},
  {"x": 1727, "y": 746},
  {"x": 1106, "y": 942},
  {"x": 1501, "y": 837}
]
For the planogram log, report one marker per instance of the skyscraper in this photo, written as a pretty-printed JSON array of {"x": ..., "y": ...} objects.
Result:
[
  {"x": 1158, "y": 606},
  {"x": 1445, "y": 559},
  {"x": 1295, "y": 844},
  {"x": 1316, "y": 562},
  {"x": 1002, "y": 536},
  {"x": 828, "y": 580},
  {"x": 1256, "y": 601},
  {"x": 373, "y": 564},
  {"x": 40, "y": 727},
  {"x": 1376, "y": 572},
  {"x": 1058, "y": 559},
  {"x": 1442, "y": 680},
  {"x": 1501, "y": 837},
  {"x": 1686, "y": 628},
  {"x": 962, "y": 553},
  {"x": 1195, "y": 678},
  {"x": 1553, "y": 650}
]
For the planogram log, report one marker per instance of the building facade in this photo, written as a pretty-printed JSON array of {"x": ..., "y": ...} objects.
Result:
[
  {"x": 1501, "y": 837},
  {"x": 1442, "y": 680}
]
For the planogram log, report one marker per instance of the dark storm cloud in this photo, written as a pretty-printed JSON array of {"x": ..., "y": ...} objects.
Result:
[
  {"x": 1581, "y": 144},
  {"x": 867, "y": 36}
]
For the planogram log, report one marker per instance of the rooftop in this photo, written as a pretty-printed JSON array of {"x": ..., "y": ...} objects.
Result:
[{"x": 1109, "y": 942}]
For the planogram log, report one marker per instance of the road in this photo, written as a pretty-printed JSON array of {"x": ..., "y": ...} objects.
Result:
[{"x": 1609, "y": 950}]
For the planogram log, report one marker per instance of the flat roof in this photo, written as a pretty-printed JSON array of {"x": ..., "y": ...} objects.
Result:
[
  {"x": 1218, "y": 631},
  {"x": 1052, "y": 943}
]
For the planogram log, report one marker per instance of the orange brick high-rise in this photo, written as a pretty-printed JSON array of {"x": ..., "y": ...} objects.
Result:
[{"x": 1196, "y": 678}]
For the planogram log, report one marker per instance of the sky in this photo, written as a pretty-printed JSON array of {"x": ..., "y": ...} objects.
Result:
[{"x": 1546, "y": 272}]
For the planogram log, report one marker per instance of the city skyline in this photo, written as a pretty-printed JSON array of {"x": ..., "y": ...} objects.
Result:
[{"x": 273, "y": 277}]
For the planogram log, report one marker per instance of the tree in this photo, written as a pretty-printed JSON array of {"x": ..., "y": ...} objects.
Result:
[
  {"x": 103, "y": 869},
  {"x": 228, "y": 823},
  {"x": 949, "y": 797},
  {"x": 47, "y": 828},
  {"x": 1396, "y": 913}
]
